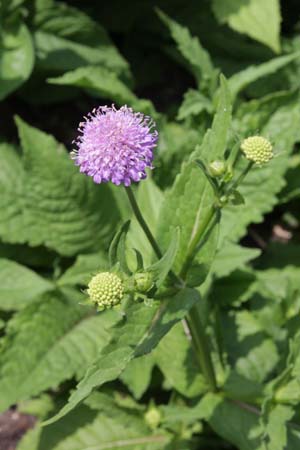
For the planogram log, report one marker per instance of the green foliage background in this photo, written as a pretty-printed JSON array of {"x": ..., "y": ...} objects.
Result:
[{"x": 101, "y": 375}]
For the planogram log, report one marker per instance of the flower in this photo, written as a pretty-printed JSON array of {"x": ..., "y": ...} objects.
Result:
[
  {"x": 257, "y": 149},
  {"x": 105, "y": 290},
  {"x": 115, "y": 145}
]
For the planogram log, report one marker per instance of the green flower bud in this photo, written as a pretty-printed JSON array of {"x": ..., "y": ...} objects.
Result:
[
  {"x": 257, "y": 149},
  {"x": 143, "y": 281},
  {"x": 153, "y": 417},
  {"x": 105, "y": 290},
  {"x": 217, "y": 168}
]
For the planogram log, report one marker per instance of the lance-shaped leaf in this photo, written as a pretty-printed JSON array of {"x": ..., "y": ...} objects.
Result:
[
  {"x": 162, "y": 267},
  {"x": 117, "y": 249},
  {"x": 135, "y": 335},
  {"x": 191, "y": 197}
]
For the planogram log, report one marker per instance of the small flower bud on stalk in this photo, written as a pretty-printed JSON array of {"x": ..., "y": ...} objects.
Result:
[
  {"x": 143, "y": 281},
  {"x": 257, "y": 149},
  {"x": 217, "y": 168},
  {"x": 153, "y": 417},
  {"x": 105, "y": 290}
]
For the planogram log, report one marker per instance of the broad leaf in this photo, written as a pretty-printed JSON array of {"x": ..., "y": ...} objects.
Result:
[
  {"x": 135, "y": 335},
  {"x": 63, "y": 209},
  {"x": 19, "y": 285},
  {"x": 193, "y": 104},
  {"x": 182, "y": 372},
  {"x": 16, "y": 58},
  {"x": 192, "y": 50},
  {"x": 66, "y": 38},
  {"x": 99, "y": 81},
  {"x": 83, "y": 269},
  {"x": 51, "y": 340},
  {"x": 104, "y": 427},
  {"x": 240, "y": 80},
  {"x": 259, "y": 20}
]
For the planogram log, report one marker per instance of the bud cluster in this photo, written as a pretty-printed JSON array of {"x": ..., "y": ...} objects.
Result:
[
  {"x": 257, "y": 149},
  {"x": 105, "y": 290}
]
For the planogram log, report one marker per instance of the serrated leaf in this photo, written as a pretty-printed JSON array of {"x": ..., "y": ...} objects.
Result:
[
  {"x": 66, "y": 38},
  {"x": 276, "y": 426},
  {"x": 98, "y": 80},
  {"x": 231, "y": 257},
  {"x": 64, "y": 339},
  {"x": 62, "y": 209},
  {"x": 16, "y": 58},
  {"x": 19, "y": 285},
  {"x": 242, "y": 79},
  {"x": 12, "y": 226},
  {"x": 110, "y": 428},
  {"x": 193, "y": 104},
  {"x": 191, "y": 198},
  {"x": 137, "y": 334},
  {"x": 192, "y": 50},
  {"x": 259, "y": 20}
]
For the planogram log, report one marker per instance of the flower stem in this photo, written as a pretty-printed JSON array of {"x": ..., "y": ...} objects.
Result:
[
  {"x": 199, "y": 338},
  {"x": 142, "y": 222},
  {"x": 202, "y": 347}
]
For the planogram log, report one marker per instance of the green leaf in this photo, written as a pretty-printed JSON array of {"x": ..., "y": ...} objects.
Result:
[
  {"x": 242, "y": 79},
  {"x": 137, "y": 374},
  {"x": 16, "y": 58},
  {"x": 162, "y": 267},
  {"x": 182, "y": 372},
  {"x": 237, "y": 423},
  {"x": 191, "y": 197},
  {"x": 259, "y": 20},
  {"x": 108, "y": 427},
  {"x": 193, "y": 104},
  {"x": 259, "y": 362},
  {"x": 83, "y": 269},
  {"x": 190, "y": 47},
  {"x": 49, "y": 341},
  {"x": 12, "y": 226},
  {"x": 63, "y": 210},
  {"x": 66, "y": 38},
  {"x": 231, "y": 257},
  {"x": 137, "y": 334},
  {"x": 19, "y": 285},
  {"x": 276, "y": 418},
  {"x": 99, "y": 81}
]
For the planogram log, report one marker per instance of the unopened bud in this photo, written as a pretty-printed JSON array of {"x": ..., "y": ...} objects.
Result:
[
  {"x": 143, "y": 281},
  {"x": 257, "y": 149},
  {"x": 217, "y": 168},
  {"x": 105, "y": 290}
]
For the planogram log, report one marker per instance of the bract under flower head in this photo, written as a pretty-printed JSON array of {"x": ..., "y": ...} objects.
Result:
[{"x": 115, "y": 145}]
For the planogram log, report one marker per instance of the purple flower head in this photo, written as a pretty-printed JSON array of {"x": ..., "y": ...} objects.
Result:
[{"x": 115, "y": 145}]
